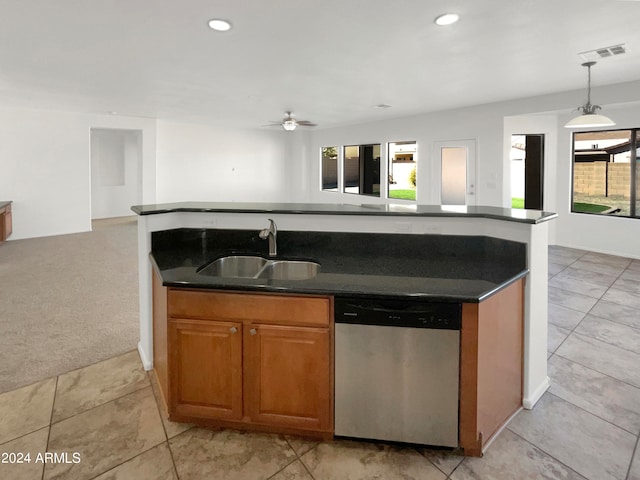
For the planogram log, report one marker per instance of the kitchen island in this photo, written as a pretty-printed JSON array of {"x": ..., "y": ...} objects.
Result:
[{"x": 366, "y": 250}]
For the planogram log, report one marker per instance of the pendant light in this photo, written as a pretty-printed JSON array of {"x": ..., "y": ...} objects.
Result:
[{"x": 589, "y": 117}]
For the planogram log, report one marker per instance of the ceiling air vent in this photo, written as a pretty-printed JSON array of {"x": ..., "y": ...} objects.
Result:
[{"x": 600, "y": 53}]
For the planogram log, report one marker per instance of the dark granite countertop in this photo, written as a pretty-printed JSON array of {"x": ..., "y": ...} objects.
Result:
[
  {"x": 445, "y": 268},
  {"x": 4, "y": 203},
  {"x": 410, "y": 210}
]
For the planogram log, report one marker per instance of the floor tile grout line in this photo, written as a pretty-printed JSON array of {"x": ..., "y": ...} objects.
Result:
[
  {"x": 173, "y": 460},
  {"x": 604, "y": 341},
  {"x": 104, "y": 403},
  {"x": 53, "y": 403},
  {"x": 598, "y": 371},
  {"x": 164, "y": 429},
  {"x": 547, "y": 453},
  {"x": 64, "y": 373},
  {"x": 633, "y": 456},
  {"x": 436, "y": 466},
  {"x": 294, "y": 460},
  {"x": 299, "y": 457},
  {"x": 591, "y": 413},
  {"x": 125, "y": 461},
  {"x": 24, "y": 435},
  {"x": 611, "y": 320}
]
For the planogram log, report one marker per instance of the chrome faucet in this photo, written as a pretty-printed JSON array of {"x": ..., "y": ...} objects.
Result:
[{"x": 271, "y": 233}]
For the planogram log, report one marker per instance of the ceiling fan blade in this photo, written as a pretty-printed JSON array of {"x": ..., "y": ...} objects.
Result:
[
  {"x": 272, "y": 124},
  {"x": 306, "y": 123}
]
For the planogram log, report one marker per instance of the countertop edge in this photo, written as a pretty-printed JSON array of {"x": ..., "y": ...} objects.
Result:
[{"x": 349, "y": 209}]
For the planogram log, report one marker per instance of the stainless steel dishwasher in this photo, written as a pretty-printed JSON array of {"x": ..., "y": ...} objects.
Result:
[{"x": 397, "y": 370}]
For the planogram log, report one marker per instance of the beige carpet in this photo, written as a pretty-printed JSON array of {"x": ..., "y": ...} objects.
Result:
[{"x": 67, "y": 301}]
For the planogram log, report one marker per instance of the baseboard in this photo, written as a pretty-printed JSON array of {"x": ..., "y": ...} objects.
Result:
[
  {"x": 530, "y": 401},
  {"x": 147, "y": 362}
]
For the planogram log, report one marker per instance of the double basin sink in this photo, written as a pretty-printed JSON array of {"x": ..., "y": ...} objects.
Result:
[{"x": 250, "y": 266}]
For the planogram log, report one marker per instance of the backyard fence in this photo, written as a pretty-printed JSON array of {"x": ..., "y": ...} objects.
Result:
[{"x": 594, "y": 178}]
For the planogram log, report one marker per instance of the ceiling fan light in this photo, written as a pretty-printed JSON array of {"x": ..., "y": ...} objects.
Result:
[
  {"x": 289, "y": 125},
  {"x": 589, "y": 120}
]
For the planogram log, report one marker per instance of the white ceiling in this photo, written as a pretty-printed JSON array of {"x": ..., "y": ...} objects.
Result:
[{"x": 330, "y": 61}]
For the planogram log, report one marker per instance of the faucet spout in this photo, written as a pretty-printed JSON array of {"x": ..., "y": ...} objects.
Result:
[{"x": 271, "y": 234}]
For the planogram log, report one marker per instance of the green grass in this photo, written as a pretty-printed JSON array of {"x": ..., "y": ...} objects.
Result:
[
  {"x": 408, "y": 194},
  {"x": 517, "y": 203},
  {"x": 580, "y": 207}
]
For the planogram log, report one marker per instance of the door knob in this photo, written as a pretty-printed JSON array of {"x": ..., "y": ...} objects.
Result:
[
  {"x": 253, "y": 331},
  {"x": 233, "y": 329}
]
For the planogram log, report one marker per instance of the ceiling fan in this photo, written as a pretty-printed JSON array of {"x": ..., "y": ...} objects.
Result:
[{"x": 289, "y": 123}]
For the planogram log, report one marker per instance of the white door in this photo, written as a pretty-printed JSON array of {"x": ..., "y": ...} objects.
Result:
[{"x": 455, "y": 165}]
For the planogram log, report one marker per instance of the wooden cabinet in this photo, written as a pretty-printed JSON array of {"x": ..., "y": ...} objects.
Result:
[
  {"x": 6, "y": 222},
  {"x": 491, "y": 363},
  {"x": 206, "y": 367},
  {"x": 245, "y": 360},
  {"x": 287, "y": 376}
]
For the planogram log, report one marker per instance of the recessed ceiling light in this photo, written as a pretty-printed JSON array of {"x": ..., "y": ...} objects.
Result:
[
  {"x": 219, "y": 24},
  {"x": 447, "y": 19}
]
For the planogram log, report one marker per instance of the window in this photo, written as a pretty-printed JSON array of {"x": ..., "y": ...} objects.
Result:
[
  {"x": 330, "y": 169},
  {"x": 606, "y": 173},
  {"x": 402, "y": 158},
  {"x": 362, "y": 169}
]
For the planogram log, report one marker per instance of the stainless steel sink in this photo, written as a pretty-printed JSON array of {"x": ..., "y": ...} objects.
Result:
[
  {"x": 289, "y": 270},
  {"x": 239, "y": 266},
  {"x": 246, "y": 266}
]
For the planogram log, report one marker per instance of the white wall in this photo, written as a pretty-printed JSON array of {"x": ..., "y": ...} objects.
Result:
[
  {"x": 116, "y": 164},
  {"x": 45, "y": 161},
  {"x": 203, "y": 163},
  {"x": 600, "y": 233},
  {"x": 491, "y": 126},
  {"x": 482, "y": 124}
]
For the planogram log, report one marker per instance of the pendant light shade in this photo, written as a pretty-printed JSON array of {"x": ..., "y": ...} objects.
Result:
[{"x": 589, "y": 117}]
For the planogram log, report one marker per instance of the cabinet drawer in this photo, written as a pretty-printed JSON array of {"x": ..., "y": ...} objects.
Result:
[{"x": 281, "y": 309}]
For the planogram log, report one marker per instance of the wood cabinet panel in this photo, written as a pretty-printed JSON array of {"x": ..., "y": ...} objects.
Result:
[
  {"x": 160, "y": 341},
  {"x": 491, "y": 366},
  {"x": 287, "y": 376},
  {"x": 265, "y": 308},
  {"x": 206, "y": 368},
  {"x": 6, "y": 223}
]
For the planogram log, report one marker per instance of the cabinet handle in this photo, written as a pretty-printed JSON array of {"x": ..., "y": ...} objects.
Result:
[
  {"x": 253, "y": 331},
  {"x": 233, "y": 329}
]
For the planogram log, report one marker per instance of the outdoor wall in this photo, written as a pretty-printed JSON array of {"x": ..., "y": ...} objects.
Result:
[
  {"x": 204, "y": 163},
  {"x": 45, "y": 159},
  {"x": 594, "y": 178}
]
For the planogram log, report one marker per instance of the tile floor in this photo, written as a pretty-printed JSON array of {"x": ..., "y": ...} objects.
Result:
[{"x": 585, "y": 426}]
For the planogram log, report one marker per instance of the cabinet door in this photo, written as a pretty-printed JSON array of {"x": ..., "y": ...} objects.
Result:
[
  {"x": 206, "y": 368},
  {"x": 288, "y": 376}
]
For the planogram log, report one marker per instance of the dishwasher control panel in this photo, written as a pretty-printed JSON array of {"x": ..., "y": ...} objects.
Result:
[{"x": 398, "y": 313}]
